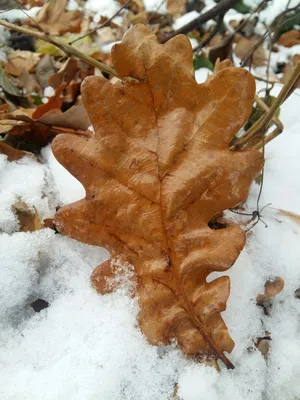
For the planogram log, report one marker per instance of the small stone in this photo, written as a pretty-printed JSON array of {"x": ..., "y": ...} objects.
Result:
[{"x": 39, "y": 305}]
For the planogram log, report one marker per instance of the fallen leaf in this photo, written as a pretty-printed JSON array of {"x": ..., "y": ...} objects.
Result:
[
  {"x": 12, "y": 153},
  {"x": 135, "y": 5},
  {"x": 55, "y": 19},
  {"x": 44, "y": 70},
  {"x": 49, "y": 223},
  {"x": 40, "y": 125},
  {"x": 7, "y": 84},
  {"x": 290, "y": 38},
  {"x": 263, "y": 345},
  {"x": 19, "y": 61},
  {"x": 222, "y": 50},
  {"x": 28, "y": 83},
  {"x": 272, "y": 288},
  {"x": 29, "y": 220},
  {"x": 65, "y": 74},
  {"x": 157, "y": 170},
  {"x": 244, "y": 46},
  {"x": 176, "y": 7}
]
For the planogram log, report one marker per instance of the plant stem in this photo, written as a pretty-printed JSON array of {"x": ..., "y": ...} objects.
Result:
[
  {"x": 65, "y": 47},
  {"x": 265, "y": 119}
]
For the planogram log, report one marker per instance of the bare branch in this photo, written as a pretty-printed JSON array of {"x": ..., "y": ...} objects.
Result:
[{"x": 222, "y": 7}]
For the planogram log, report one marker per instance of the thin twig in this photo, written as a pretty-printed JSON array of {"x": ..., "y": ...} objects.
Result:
[
  {"x": 223, "y": 6},
  {"x": 212, "y": 33},
  {"x": 102, "y": 25},
  {"x": 267, "y": 33},
  {"x": 65, "y": 47}
]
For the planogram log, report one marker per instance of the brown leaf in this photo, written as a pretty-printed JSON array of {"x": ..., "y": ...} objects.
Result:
[
  {"x": 55, "y": 19},
  {"x": 28, "y": 83},
  {"x": 12, "y": 153},
  {"x": 244, "y": 46},
  {"x": 19, "y": 61},
  {"x": 135, "y": 5},
  {"x": 156, "y": 171},
  {"x": 29, "y": 220},
  {"x": 222, "y": 50},
  {"x": 40, "y": 125},
  {"x": 272, "y": 288},
  {"x": 66, "y": 73},
  {"x": 176, "y": 7},
  {"x": 263, "y": 345},
  {"x": 44, "y": 70},
  {"x": 49, "y": 223},
  {"x": 290, "y": 38}
]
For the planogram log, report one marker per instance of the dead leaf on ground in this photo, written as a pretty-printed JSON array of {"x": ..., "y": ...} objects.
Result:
[
  {"x": 40, "y": 125},
  {"x": 222, "y": 50},
  {"x": 244, "y": 46},
  {"x": 65, "y": 74},
  {"x": 12, "y": 153},
  {"x": 55, "y": 19},
  {"x": 28, "y": 83},
  {"x": 297, "y": 293},
  {"x": 290, "y": 38},
  {"x": 19, "y": 61},
  {"x": 176, "y": 7},
  {"x": 44, "y": 70},
  {"x": 29, "y": 220},
  {"x": 272, "y": 288},
  {"x": 263, "y": 344},
  {"x": 155, "y": 177},
  {"x": 135, "y": 5}
]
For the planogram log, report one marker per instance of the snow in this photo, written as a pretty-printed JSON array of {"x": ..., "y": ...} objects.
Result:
[
  {"x": 155, "y": 5},
  {"x": 185, "y": 19},
  {"x": 17, "y": 14},
  {"x": 202, "y": 74},
  {"x": 68, "y": 189},
  {"x": 25, "y": 179}
]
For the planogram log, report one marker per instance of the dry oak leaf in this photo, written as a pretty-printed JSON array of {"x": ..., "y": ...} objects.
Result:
[
  {"x": 20, "y": 61},
  {"x": 12, "y": 153},
  {"x": 244, "y": 46},
  {"x": 176, "y": 7},
  {"x": 290, "y": 38},
  {"x": 55, "y": 19},
  {"x": 155, "y": 173},
  {"x": 40, "y": 125}
]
